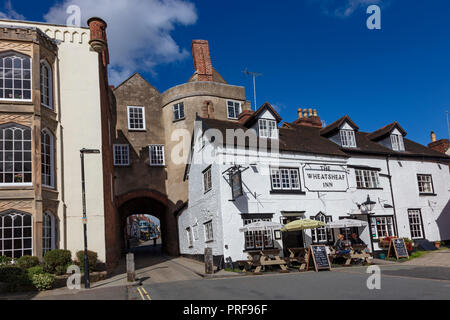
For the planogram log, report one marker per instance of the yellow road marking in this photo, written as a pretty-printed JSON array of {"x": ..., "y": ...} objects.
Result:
[
  {"x": 146, "y": 293},
  {"x": 142, "y": 296}
]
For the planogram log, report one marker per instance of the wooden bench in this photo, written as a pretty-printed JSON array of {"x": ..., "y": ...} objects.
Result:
[
  {"x": 297, "y": 255},
  {"x": 259, "y": 258}
]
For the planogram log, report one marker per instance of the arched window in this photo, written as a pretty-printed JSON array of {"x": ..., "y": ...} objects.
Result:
[
  {"x": 15, "y": 76},
  {"x": 15, "y": 154},
  {"x": 16, "y": 234},
  {"x": 46, "y": 85},
  {"x": 48, "y": 233},
  {"x": 47, "y": 155}
]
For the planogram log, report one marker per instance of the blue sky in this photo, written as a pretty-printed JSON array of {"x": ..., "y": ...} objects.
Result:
[{"x": 313, "y": 53}]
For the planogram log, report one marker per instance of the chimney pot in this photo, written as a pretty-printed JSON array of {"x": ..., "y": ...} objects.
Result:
[
  {"x": 300, "y": 114},
  {"x": 98, "y": 40},
  {"x": 433, "y": 136},
  {"x": 310, "y": 112}
]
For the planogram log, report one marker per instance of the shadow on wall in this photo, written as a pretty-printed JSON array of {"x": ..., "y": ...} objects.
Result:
[{"x": 443, "y": 222}]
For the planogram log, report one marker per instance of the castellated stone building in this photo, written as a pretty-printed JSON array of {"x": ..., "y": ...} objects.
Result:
[
  {"x": 147, "y": 179},
  {"x": 54, "y": 101}
]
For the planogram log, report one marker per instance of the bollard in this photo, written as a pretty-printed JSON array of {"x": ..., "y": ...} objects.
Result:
[
  {"x": 131, "y": 274},
  {"x": 209, "y": 266}
]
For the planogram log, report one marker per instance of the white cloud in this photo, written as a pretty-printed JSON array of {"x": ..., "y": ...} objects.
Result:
[
  {"x": 9, "y": 13},
  {"x": 344, "y": 8},
  {"x": 139, "y": 31}
]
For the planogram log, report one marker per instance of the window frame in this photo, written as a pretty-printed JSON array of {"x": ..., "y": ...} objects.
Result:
[
  {"x": 374, "y": 226},
  {"x": 207, "y": 180},
  {"x": 323, "y": 230},
  {"x": 24, "y": 250},
  {"x": 51, "y": 239},
  {"x": 281, "y": 184},
  {"x": 209, "y": 231},
  {"x": 45, "y": 64},
  {"x": 430, "y": 182},
  {"x": 10, "y": 54},
  {"x": 257, "y": 236},
  {"x": 416, "y": 224},
  {"x": 177, "y": 109},
  {"x": 270, "y": 131},
  {"x": 143, "y": 118},
  {"x": 150, "y": 153},
  {"x": 3, "y": 152},
  {"x": 46, "y": 131},
  {"x": 234, "y": 109},
  {"x": 373, "y": 179},
  {"x": 349, "y": 137},
  {"x": 397, "y": 142},
  {"x": 120, "y": 146}
]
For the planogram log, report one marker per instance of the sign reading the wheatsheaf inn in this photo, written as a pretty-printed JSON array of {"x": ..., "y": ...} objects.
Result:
[{"x": 325, "y": 177}]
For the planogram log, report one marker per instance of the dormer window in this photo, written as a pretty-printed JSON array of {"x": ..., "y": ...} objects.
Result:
[
  {"x": 348, "y": 139},
  {"x": 268, "y": 129},
  {"x": 397, "y": 142}
]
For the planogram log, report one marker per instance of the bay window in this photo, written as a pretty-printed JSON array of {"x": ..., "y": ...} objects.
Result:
[
  {"x": 15, "y": 76},
  {"x": 47, "y": 160},
  {"x": 46, "y": 85},
  {"x": 16, "y": 234}
]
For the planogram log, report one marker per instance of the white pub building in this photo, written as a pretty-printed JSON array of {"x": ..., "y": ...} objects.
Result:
[{"x": 399, "y": 187}]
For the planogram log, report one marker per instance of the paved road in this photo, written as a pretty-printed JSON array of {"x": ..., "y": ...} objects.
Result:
[{"x": 397, "y": 282}]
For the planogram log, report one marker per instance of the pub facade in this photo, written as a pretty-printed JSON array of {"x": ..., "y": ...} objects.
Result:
[{"x": 302, "y": 170}]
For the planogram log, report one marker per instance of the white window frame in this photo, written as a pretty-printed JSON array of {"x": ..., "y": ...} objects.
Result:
[
  {"x": 121, "y": 148},
  {"x": 386, "y": 225},
  {"x": 49, "y": 85},
  {"x": 178, "y": 109},
  {"x": 22, "y": 56},
  {"x": 189, "y": 237},
  {"x": 416, "y": 224},
  {"x": 268, "y": 128},
  {"x": 51, "y": 165},
  {"x": 348, "y": 139},
  {"x": 14, "y": 126},
  {"x": 236, "y": 104},
  {"x": 209, "y": 232},
  {"x": 422, "y": 181},
  {"x": 151, "y": 149},
  {"x": 207, "y": 180},
  {"x": 48, "y": 232},
  {"x": 254, "y": 239},
  {"x": 129, "y": 108},
  {"x": 367, "y": 179},
  {"x": 285, "y": 179},
  {"x": 397, "y": 142},
  {"x": 322, "y": 234},
  {"x": 14, "y": 214}
]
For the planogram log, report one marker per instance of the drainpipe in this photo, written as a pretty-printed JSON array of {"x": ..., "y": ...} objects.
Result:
[{"x": 392, "y": 193}]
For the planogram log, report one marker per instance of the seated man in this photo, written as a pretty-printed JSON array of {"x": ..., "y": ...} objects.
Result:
[
  {"x": 339, "y": 245},
  {"x": 357, "y": 240}
]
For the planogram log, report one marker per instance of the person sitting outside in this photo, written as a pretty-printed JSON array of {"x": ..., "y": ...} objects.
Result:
[
  {"x": 339, "y": 245},
  {"x": 355, "y": 239}
]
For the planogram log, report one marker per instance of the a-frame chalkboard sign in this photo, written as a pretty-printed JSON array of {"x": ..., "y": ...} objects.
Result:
[
  {"x": 398, "y": 246},
  {"x": 318, "y": 256}
]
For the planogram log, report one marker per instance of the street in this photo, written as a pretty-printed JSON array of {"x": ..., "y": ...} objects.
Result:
[{"x": 397, "y": 282}]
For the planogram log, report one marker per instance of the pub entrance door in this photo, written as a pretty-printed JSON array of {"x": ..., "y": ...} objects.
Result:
[{"x": 292, "y": 239}]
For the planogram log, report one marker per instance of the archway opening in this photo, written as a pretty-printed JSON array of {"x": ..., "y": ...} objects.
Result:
[{"x": 143, "y": 233}]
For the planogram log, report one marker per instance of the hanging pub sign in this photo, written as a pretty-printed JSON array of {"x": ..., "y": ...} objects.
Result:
[
  {"x": 325, "y": 177},
  {"x": 236, "y": 184}
]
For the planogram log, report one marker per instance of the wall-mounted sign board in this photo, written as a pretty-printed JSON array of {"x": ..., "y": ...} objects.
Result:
[
  {"x": 318, "y": 257},
  {"x": 325, "y": 177}
]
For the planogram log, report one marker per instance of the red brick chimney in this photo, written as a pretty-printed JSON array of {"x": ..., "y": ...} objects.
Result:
[
  {"x": 99, "y": 41},
  {"x": 311, "y": 120},
  {"x": 441, "y": 146},
  {"x": 202, "y": 60}
]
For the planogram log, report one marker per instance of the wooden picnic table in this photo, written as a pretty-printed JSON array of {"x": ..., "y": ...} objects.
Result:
[
  {"x": 357, "y": 251},
  {"x": 297, "y": 255},
  {"x": 261, "y": 258}
]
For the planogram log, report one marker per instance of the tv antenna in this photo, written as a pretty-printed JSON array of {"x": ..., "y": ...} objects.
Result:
[{"x": 254, "y": 75}]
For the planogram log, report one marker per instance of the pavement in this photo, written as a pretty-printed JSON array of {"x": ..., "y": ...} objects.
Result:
[{"x": 163, "y": 277}]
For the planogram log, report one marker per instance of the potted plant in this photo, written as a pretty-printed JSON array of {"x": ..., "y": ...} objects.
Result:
[
  {"x": 409, "y": 244},
  {"x": 437, "y": 244}
]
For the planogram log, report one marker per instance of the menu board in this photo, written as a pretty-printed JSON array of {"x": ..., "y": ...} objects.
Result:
[
  {"x": 317, "y": 256},
  {"x": 398, "y": 246}
]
